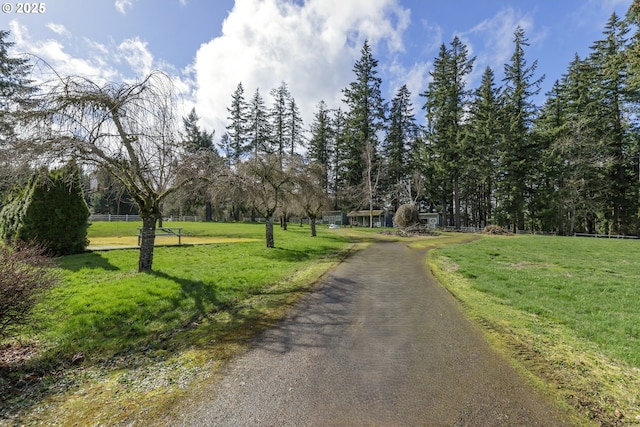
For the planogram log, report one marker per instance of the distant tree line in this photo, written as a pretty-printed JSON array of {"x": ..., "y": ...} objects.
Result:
[{"x": 487, "y": 155}]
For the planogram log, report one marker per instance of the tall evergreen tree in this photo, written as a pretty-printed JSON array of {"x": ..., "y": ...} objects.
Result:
[
  {"x": 365, "y": 114},
  {"x": 15, "y": 91},
  {"x": 608, "y": 117},
  {"x": 225, "y": 147},
  {"x": 195, "y": 138},
  {"x": 447, "y": 98},
  {"x": 320, "y": 149},
  {"x": 295, "y": 126},
  {"x": 401, "y": 137},
  {"x": 518, "y": 151},
  {"x": 480, "y": 148},
  {"x": 258, "y": 126},
  {"x": 278, "y": 115},
  {"x": 237, "y": 126}
]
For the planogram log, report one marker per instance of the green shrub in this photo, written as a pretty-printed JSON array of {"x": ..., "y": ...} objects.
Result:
[{"x": 51, "y": 210}]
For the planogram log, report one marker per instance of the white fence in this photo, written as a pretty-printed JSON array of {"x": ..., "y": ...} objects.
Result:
[
  {"x": 110, "y": 218},
  {"x": 136, "y": 218}
]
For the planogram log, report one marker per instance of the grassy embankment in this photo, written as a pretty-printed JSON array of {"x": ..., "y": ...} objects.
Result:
[
  {"x": 567, "y": 311},
  {"x": 112, "y": 346}
]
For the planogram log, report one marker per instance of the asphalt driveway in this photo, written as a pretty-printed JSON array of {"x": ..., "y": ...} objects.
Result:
[{"x": 379, "y": 343}]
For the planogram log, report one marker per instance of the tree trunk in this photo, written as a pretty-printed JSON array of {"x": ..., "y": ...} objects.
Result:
[
  {"x": 147, "y": 241},
  {"x": 268, "y": 223},
  {"x": 456, "y": 204},
  {"x": 208, "y": 212},
  {"x": 312, "y": 223}
]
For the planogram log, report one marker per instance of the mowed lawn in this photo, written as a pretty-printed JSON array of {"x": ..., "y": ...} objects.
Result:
[
  {"x": 103, "y": 306},
  {"x": 569, "y": 308},
  {"x": 114, "y": 345}
]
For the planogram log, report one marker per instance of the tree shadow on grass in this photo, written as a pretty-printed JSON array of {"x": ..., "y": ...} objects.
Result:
[
  {"x": 204, "y": 295},
  {"x": 294, "y": 255},
  {"x": 91, "y": 260},
  {"x": 125, "y": 338}
]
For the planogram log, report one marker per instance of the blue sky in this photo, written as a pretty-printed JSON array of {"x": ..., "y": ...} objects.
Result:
[{"x": 209, "y": 46}]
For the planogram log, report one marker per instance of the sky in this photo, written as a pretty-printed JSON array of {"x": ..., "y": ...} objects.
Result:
[{"x": 209, "y": 46}]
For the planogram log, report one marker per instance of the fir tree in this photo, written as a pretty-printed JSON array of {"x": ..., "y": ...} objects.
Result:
[
  {"x": 401, "y": 136},
  {"x": 258, "y": 126},
  {"x": 278, "y": 116},
  {"x": 608, "y": 116},
  {"x": 518, "y": 151},
  {"x": 447, "y": 97},
  {"x": 295, "y": 126},
  {"x": 365, "y": 116},
  {"x": 195, "y": 138},
  {"x": 237, "y": 127},
  {"x": 482, "y": 136},
  {"x": 320, "y": 149}
]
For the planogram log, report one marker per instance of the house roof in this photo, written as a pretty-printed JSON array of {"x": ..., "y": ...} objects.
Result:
[{"x": 375, "y": 212}]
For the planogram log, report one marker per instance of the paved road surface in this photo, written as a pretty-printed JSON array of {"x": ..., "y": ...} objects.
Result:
[{"x": 379, "y": 343}]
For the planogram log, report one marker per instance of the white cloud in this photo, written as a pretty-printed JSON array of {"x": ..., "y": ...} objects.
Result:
[
  {"x": 59, "y": 29},
  {"x": 134, "y": 51},
  {"x": 54, "y": 54},
  {"x": 312, "y": 47},
  {"x": 122, "y": 5}
]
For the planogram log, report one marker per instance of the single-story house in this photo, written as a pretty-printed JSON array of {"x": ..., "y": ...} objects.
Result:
[
  {"x": 363, "y": 218},
  {"x": 434, "y": 219},
  {"x": 334, "y": 217}
]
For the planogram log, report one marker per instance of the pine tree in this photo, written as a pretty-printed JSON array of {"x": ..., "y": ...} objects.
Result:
[
  {"x": 225, "y": 146},
  {"x": 365, "y": 114},
  {"x": 482, "y": 136},
  {"x": 447, "y": 99},
  {"x": 258, "y": 126},
  {"x": 15, "y": 86},
  {"x": 237, "y": 127},
  {"x": 295, "y": 125},
  {"x": 320, "y": 149},
  {"x": 609, "y": 86},
  {"x": 15, "y": 91},
  {"x": 195, "y": 138},
  {"x": 278, "y": 115},
  {"x": 401, "y": 136},
  {"x": 518, "y": 151}
]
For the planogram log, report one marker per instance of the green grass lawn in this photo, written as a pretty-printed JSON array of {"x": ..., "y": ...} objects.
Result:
[
  {"x": 197, "y": 305},
  {"x": 568, "y": 307},
  {"x": 104, "y": 306},
  {"x": 591, "y": 286},
  {"x": 215, "y": 229}
]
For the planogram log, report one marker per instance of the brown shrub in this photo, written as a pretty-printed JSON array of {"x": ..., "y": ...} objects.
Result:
[
  {"x": 496, "y": 230},
  {"x": 406, "y": 215},
  {"x": 24, "y": 273}
]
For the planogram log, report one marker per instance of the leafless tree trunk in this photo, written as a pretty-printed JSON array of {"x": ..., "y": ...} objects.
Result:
[
  {"x": 309, "y": 192},
  {"x": 372, "y": 177},
  {"x": 264, "y": 179}
]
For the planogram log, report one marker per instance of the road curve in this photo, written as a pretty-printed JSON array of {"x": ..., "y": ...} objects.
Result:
[{"x": 379, "y": 343}]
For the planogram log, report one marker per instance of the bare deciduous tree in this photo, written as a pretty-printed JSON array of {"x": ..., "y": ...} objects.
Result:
[
  {"x": 127, "y": 129},
  {"x": 309, "y": 192},
  {"x": 263, "y": 179}
]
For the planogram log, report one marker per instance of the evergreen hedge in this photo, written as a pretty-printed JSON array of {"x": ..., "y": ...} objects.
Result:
[{"x": 50, "y": 210}]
